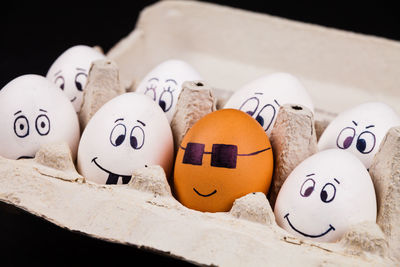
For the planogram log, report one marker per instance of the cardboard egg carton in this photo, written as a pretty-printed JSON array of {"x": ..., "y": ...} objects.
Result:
[{"x": 229, "y": 47}]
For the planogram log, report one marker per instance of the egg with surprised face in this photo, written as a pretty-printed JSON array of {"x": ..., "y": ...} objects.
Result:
[
  {"x": 127, "y": 133},
  {"x": 262, "y": 97},
  {"x": 34, "y": 112},
  {"x": 164, "y": 83},
  {"x": 360, "y": 130},
  {"x": 325, "y": 195},
  {"x": 70, "y": 70}
]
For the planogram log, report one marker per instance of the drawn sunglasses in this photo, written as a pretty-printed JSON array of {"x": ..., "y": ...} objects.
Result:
[{"x": 222, "y": 155}]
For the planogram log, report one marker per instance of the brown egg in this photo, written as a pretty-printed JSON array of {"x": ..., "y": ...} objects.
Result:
[{"x": 224, "y": 156}]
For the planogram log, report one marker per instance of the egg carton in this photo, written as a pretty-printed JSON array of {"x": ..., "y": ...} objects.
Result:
[{"x": 229, "y": 47}]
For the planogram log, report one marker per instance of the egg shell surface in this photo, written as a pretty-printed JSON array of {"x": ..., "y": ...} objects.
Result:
[
  {"x": 224, "y": 156},
  {"x": 262, "y": 97},
  {"x": 163, "y": 84},
  {"x": 360, "y": 130},
  {"x": 70, "y": 70},
  {"x": 325, "y": 195},
  {"x": 128, "y": 132},
  {"x": 33, "y": 111}
]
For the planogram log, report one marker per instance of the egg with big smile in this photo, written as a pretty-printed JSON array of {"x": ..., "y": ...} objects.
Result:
[
  {"x": 128, "y": 132},
  {"x": 324, "y": 195},
  {"x": 224, "y": 156}
]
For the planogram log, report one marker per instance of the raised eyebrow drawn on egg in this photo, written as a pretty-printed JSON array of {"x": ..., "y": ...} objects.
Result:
[
  {"x": 43, "y": 110},
  {"x": 369, "y": 126},
  {"x": 80, "y": 69},
  {"x": 311, "y": 174},
  {"x": 258, "y": 93},
  {"x": 171, "y": 80},
  {"x": 19, "y": 111},
  {"x": 336, "y": 180},
  {"x": 58, "y": 72},
  {"x": 154, "y": 78},
  {"x": 277, "y": 102},
  {"x": 144, "y": 124},
  {"x": 355, "y": 123},
  {"x": 120, "y": 119}
]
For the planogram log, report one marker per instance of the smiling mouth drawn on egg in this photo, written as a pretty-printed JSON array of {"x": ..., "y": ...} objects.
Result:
[
  {"x": 207, "y": 195},
  {"x": 112, "y": 177},
  {"x": 25, "y": 157},
  {"x": 73, "y": 99},
  {"x": 308, "y": 235}
]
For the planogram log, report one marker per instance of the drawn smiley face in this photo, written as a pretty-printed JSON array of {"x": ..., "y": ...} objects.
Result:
[
  {"x": 34, "y": 112},
  {"x": 164, "y": 83},
  {"x": 325, "y": 195},
  {"x": 70, "y": 70},
  {"x": 360, "y": 130},
  {"x": 224, "y": 156},
  {"x": 127, "y": 133},
  {"x": 262, "y": 97}
]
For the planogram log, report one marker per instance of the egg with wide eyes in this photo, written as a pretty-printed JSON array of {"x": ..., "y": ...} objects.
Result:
[
  {"x": 164, "y": 83},
  {"x": 34, "y": 112},
  {"x": 360, "y": 130},
  {"x": 70, "y": 70},
  {"x": 128, "y": 132},
  {"x": 325, "y": 195},
  {"x": 262, "y": 97},
  {"x": 224, "y": 156}
]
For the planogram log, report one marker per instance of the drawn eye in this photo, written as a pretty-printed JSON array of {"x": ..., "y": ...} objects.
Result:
[
  {"x": 21, "y": 126},
  {"x": 118, "y": 134},
  {"x": 266, "y": 116},
  {"x": 42, "y": 124},
  {"x": 166, "y": 100},
  {"x": 345, "y": 138},
  {"x": 60, "y": 82},
  {"x": 137, "y": 137},
  {"x": 151, "y": 92},
  {"x": 366, "y": 142},
  {"x": 250, "y": 106},
  {"x": 307, "y": 188},
  {"x": 328, "y": 193},
  {"x": 80, "y": 80}
]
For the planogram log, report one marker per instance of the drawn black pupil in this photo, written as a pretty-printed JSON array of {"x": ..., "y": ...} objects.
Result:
[
  {"x": 134, "y": 143},
  {"x": 21, "y": 126},
  {"x": 120, "y": 139},
  {"x": 62, "y": 86},
  {"x": 42, "y": 124},
  {"x": 361, "y": 145},
  {"x": 324, "y": 195},
  {"x": 78, "y": 85},
  {"x": 308, "y": 191},
  {"x": 162, "y": 105},
  {"x": 260, "y": 120}
]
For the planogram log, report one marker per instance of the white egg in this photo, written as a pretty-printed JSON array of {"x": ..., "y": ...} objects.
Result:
[
  {"x": 128, "y": 132},
  {"x": 164, "y": 83},
  {"x": 33, "y": 111},
  {"x": 360, "y": 130},
  {"x": 262, "y": 97},
  {"x": 325, "y": 195},
  {"x": 70, "y": 71}
]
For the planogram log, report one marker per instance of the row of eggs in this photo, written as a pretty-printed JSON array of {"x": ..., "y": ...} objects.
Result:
[{"x": 224, "y": 156}]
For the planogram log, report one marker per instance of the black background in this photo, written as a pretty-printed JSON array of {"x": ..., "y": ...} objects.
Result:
[{"x": 34, "y": 34}]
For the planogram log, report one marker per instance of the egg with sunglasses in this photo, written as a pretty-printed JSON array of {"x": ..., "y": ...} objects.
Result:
[
  {"x": 70, "y": 70},
  {"x": 164, "y": 83},
  {"x": 262, "y": 97},
  {"x": 325, "y": 195},
  {"x": 360, "y": 130},
  {"x": 128, "y": 132},
  {"x": 33, "y": 112},
  {"x": 224, "y": 156}
]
